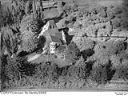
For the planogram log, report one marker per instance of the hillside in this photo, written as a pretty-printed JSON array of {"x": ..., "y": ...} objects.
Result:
[{"x": 96, "y": 56}]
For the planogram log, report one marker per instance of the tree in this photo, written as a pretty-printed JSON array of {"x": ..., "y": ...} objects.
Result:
[
  {"x": 29, "y": 28},
  {"x": 9, "y": 40}
]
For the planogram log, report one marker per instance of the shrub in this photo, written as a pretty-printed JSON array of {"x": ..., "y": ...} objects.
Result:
[
  {"x": 101, "y": 53},
  {"x": 47, "y": 73},
  {"x": 87, "y": 53},
  {"x": 11, "y": 75},
  {"x": 116, "y": 61},
  {"x": 68, "y": 9},
  {"x": 119, "y": 59},
  {"x": 99, "y": 74},
  {"x": 35, "y": 26},
  {"x": 80, "y": 72},
  {"x": 83, "y": 43},
  {"x": 11, "y": 69},
  {"x": 25, "y": 67},
  {"x": 80, "y": 62},
  {"x": 102, "y": 73},
  {"x": 72, "y": 52},
  {"x": 121, "y": 73}
]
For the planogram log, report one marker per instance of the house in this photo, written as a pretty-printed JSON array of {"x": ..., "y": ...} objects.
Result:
[
  {"x": 56, "y": 41},
  {"x": 53, "y": 36}
]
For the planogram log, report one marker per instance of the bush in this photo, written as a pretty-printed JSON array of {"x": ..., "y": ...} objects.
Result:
[
  {"x": 121, "y": 73},
  {"x": 47, "y": 70},
  {"x": 99, "y": 75},
  {"x": 119, "y": 59},
  {"x": 25, "y": 67},
  {"x": 116, "y": 61},
  {"x": 101, "y": 53},
  {"x": 72, "y": 52},
  {"x": 10, "y": 73},
  {"x": 83, "y": 43},
  {"x": 68, "y": 9},
  {"x": 11, "y": 69},
  {"x": 120, "y": 63}
]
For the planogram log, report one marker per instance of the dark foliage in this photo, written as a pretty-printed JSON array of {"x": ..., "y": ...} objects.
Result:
[
  {"x": 121, "y": 73},
  {"x": 102, "y": 74},
  {"x": 9, "y": 40},
  {"x": 26, "y": 68},
  {"x": 72, "y": 53}
]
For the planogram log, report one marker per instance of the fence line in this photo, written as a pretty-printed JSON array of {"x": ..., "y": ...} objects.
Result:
[{"x": 100, "y": 36}]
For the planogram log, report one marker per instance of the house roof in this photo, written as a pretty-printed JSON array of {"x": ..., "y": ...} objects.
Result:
[
  {"x": 53, "y": 32},
  {"x": 55, "y": 39}
]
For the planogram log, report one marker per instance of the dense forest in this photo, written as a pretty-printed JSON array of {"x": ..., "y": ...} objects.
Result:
[{"x": 97, "y": 49}]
